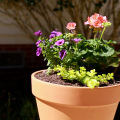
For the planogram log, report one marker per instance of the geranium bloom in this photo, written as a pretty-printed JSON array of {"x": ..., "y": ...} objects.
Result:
[
  {"x": 71, "y": 25},
  {"x": 38, "y": 42},
  {"x": 55, "y": 33},
  {"x": 38, "y": 51},
  {"x": 39, "y": 33},
  {"x": 76, "y": 40},
  {"x": 60, "y": 42},
  {"x": 96, "y": 20},
  {"x": 62, "y": 54}
]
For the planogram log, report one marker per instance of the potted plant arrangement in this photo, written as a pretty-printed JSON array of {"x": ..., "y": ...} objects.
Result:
[{"x": 77, "y": 85}]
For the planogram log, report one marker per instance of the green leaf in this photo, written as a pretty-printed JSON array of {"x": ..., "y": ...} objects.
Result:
[
  {"x": 109, "y": 42},
  {"x": 118, "y": 52},
  {"x": 67, "y": 43},
  {"x": 83, "y": 51},
  {"x": 90, "y": 60},
  {"x": 105, "y": 51},
  {"x": 106, "y": 24},
  {"x": 48, "y": 63},
  {"x": 114, "y": 55},
  {"x": 80, "y": 36},
  {"x": 113, "y": 62}
]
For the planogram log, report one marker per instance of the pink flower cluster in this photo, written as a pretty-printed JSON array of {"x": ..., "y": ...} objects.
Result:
[
  {"x": 71, "y": 26},
  {"x": 96, "y": 20}
]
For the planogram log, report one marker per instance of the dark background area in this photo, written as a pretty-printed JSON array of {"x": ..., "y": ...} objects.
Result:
[{"x": 16, "y": 99}]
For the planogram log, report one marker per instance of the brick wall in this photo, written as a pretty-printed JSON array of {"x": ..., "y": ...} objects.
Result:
[
  {"x": 31, "y": 63},
  {"x": 30, "y": 58}
]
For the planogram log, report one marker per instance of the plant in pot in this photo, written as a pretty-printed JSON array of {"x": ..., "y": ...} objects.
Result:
[{"x": 78, "y": 84}]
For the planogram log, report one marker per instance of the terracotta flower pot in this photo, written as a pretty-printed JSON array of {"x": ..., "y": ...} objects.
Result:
[{"x": 58, "y": 102}]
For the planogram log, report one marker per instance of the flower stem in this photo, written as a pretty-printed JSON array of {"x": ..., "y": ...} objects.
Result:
[
  {"x": 75, "y": 48},
  {"x": 94, "y": 35},
  {"x": 102, "y": 33}
]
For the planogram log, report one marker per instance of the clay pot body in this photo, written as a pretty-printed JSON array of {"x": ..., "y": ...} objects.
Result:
[{"x": 59, "y": 102}]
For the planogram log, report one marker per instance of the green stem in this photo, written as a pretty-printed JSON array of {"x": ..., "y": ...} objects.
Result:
[
  {"x": 102, "y": 33},
  {"x": 75, "y": 47},
  {"x": 94, "y": 36}
]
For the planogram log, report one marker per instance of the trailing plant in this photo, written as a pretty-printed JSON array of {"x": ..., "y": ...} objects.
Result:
[{"x": 75, "y": 57}]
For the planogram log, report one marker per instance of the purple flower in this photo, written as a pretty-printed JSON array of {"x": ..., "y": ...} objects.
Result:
[
  {"x": 60, "y": 42},
  {"x": 62, "y": 54},
  {"x": 52, "y": 36},
  {"x": 55, "y": 33},
  {"x": 39, "y": 33},
  {"x": 38, "y": 51},
  {"x": 76, "y": 40},
  {"x": 51, "y": 46},
  {"x": 38, "y": 42},
  {"x": 58, "y": 33}
]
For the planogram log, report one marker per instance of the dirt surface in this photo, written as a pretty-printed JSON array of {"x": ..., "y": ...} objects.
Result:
[{"x": 55, "y": 79}]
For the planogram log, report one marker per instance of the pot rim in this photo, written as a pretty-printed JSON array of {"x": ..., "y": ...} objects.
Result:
[
  {"x": 70, "y": 95},
  {"x": 33, "y": 74}
]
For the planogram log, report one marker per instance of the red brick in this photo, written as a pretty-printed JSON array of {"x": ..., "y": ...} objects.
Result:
[
  {"x": 31, "y": 60},
  {"x": 10, "y": 48},
  {"x": 34, "y": 48},
  {"x": 28, "y": 59},
  {"x": 31, "y": 63},
  {"x": 35, "y": 64},
  {"x": 1, "y": 48},
  {"x": 30, "y": 53},
  {"x": 38, "y": 58},
  {"x": 26, "y": 48},
  {"x": 5, "y": 45},
  {"x": 117, "y": 46}
]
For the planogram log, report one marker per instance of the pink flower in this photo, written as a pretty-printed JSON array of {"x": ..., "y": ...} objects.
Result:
[
  {"x": 96, "y": 20},
  {"x": 71, "y": 25},
  {"x": 97, "y": 24}
]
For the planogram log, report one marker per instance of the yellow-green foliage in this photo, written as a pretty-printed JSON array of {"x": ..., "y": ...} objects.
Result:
[{"x": 89, "y": 78}]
